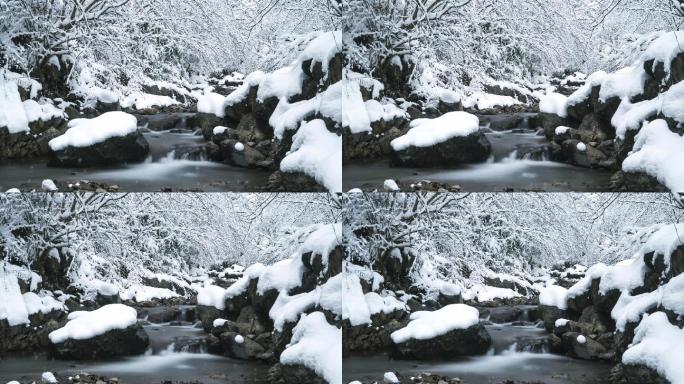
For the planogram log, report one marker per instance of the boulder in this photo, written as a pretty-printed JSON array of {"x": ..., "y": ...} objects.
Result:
[
  {"x": 293, "y": 374},
  {"x": 240, "y": 347},
  {"x": 132, "y": 340},
  {"x": 132, "y": 148},
  {"x": 549, "y": 315},
  {"x": 474, "y": 340},
  {"x": 584, "y": 347},
  {"x": 473, "y": 148},
  {"x": 207, "y": 315}
]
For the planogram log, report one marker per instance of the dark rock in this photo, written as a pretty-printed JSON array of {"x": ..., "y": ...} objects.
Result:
[
  {"x": 549, "y": 315},
  {"x": 132, "y": 148},
  {"x": 117, "y": 342},
  {"x": 474, "y": 340},
  {"x": 473, "y": 148}
]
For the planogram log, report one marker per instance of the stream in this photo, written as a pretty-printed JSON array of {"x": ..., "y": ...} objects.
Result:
[
  {"x": 161, "y": 362},
  {"x": 165, "y": 168},
  {"x": 517, "y": 163},
  {"x": 503, "y": 362}
]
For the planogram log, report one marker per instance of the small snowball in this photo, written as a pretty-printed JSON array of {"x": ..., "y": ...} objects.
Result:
[
  {"x": 48, "y": 185},
  {"x": 390, "y": 185},
  {"x": 13, "y": 190},
  {"x": 562, "y": 322},
  {"x": 581, "y": 147},
  {"x": 219, "y": 322},
  {"x": 239, "y": 339},
  {"x": 239, "y": 147},
  {"x": 219, "y": 130},
  {"x": 581, "y": 339},
  {"x": 48, "y": 377},
  {"x": 390, "y": 378}
]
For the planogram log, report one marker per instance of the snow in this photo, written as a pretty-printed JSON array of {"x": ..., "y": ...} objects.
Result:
[
  {"x": 48, "y": 377},
  {"x": 390, "y": 185},
  {"x": 658, "y": 152},
  {"x": 140, "y": 100},
  {"x": 383, "y": 111},
  {"x": 12, "y": 306},
  {"x": 483, "y": 100},
  {"x": 629, "y": 309},
  {"x": 446, "y": 95},
  {"x": 282, "y": 83},
  {"x": 426, "y": 325},
  {"x": 323, "y": 240},
  {"x": 665, "y": 48},
  {"x": 239, "y": 147},
  {"x": 429, "y": 132},
  {"x": 354, "y": 306},
  {"x": 145, "y": 293},
  {"x": 212, "y": 103},
  {"x": 290, "y": 115},
  {"x": 239, "y": 339},
  {"x": 87, "y": 132},
  {"x": 624, "y": 276},
  {"x": 624, "y": 83},
  {"x": 673, "y": 102},
  {"x": 673, "y": 295},
  {"x": 316, "y": 152},
  {"x": 239, "y": 287},
  {"x": 562, "y": 130},
  {"x": 48, "y": 185},
  {"x": 354, "y": 114},
  {"x": 664, "y": 241},
  {"x": 581, "y": 339},
  {"x": 211, "y": 296},
  {"x": 582, "y": 286},
  {"x": 581, "y": 147},
  {"x": 553, "y": 296},
  {"x": 219, "y": 322},
  {"x": 282, "y": 276},
  {"x": 390, "y": 377},
  {"x": 240, "y": 93},
  {"x": 658, "y": 345},
  {"x": 43, "y": 111},
  {"x": 85, "y": 325},
  {"x": 43, "y": 302},
  {"x": 322, "y": 49},
  {"x": 219, "y": 130},
  {"x": 383, "y": 304},
  {"x": 12, "y": 114},
  {"x": 583, "y": 93},
  {"x": 554, "y": 103},
  {"x": 316, "y": 345},
  {"x": 631, "y": 116},
  {"x": 485, "y": 293},
  {"x": 561, "y": 322}
]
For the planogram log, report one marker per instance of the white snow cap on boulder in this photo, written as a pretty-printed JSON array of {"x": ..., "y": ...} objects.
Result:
[
  {"x": 87, "y": 132},
  {"x": 554, "y": 103},
  {"x": 429, "y": 132},
  {"x": 554, "y": 296},
  {"x": 84, "y": 325},
  {"x": 426, "y": 325},
  {"x": 316, "y": 345}
]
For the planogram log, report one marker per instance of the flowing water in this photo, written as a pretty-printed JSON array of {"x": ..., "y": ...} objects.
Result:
[
  {"x": 515, "y": 355},
  {"x": 172, "y": 164},
  {"x": 165, "y": 359},
  {"x": 518, "y": 162}
]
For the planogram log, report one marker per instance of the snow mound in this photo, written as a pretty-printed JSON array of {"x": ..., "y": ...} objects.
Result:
[
  {"x": 426, "y": 325},
  {"x": 484, "y": 293},
  {"x": 316, "y": 152},
  {"x": 658, "y": 152},
  {"x": 554, "y": 103},
  {"x": 212, "y": 296},
  {"x": 354, "y": 114},
  {"x": 12, "y": 306},
  {"x": 316, "y": 345},
  {"x": 429, "y": 132},
  {"x": 629, "y": 309},
  {"x": 664, "y": 241},
  {"x": 43, "y": 111},
  {"x": 659, "y": 345},
  {"x": 212, "y": 103},
  {"x": 87, "y": 132},
  {"x": 553, "y": 296},
  {"x": 482, "y": 100},
  {"x": 85, "y": 325},
  {"x": 624, "y": 83},
  {"x": 386, "y": 111},
  {"x": 665, "y": 48},
  {"x": 583, "y": 93},
  {"x": 582, "y": 286},
  {"x": 145, "y": 100},
  {"x": 287, "y": 309},
  {"x": 12, "y": 114}
]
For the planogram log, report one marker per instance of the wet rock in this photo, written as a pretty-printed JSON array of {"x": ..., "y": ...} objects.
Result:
[
  {"x": 473, "y": 148},
  {"x": 240, "y": 347},
  {"x": 504, "y": 314},
  {"x": 280, "y": 181},
  {"x": 132, "y": 340},
  {"x": 293, "y": 374},
  {"x": 376, "y": 337},
  {"x": 584, "y": 347},
  {"x": 549, "y": 315},
  {"x": 190, "y": 344},
  {"x": 23, "y": 339},
  {"x": 132, "y": 148},
  {"x": 474, "y": 340},
  {"x": 207, "y": 315},
  {"x": 502, "y": 122}
]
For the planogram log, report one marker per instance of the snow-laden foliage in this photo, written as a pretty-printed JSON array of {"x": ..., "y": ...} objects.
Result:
[
  {"x": 124, "y": 236},
  {"x": 118, "y": 40},
  {"x": 459, "y": 237},
  {"x": 458, "y": 41}
]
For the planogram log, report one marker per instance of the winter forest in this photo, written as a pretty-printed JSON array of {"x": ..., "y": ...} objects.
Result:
[{"x": 341, "y": 191}]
